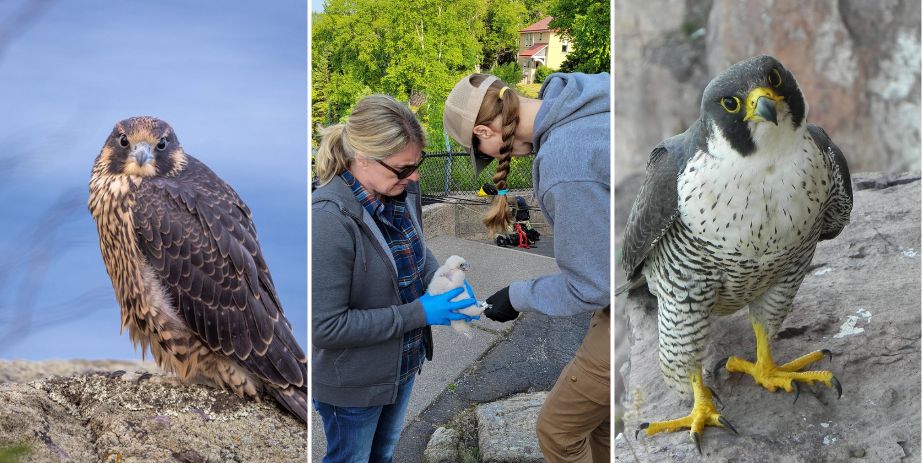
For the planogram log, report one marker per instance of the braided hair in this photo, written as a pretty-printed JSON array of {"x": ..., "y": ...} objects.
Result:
[{"x": 500, "y": 100}]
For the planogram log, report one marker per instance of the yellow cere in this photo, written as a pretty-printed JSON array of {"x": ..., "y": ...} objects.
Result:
[{"x": 754, "y": 96}]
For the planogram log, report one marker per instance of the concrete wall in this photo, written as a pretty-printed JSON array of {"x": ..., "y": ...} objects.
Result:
[{"x": 465, "y": 220}]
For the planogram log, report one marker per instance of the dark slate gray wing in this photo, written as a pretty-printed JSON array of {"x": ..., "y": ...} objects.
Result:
[
  {"x": 656, "y": 206},
  {"x": 840, "y": 208},
  {"x": 197, "y": 235}
]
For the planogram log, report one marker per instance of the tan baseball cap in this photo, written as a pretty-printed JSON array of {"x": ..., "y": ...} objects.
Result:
[{"x": 460, "y": 114}]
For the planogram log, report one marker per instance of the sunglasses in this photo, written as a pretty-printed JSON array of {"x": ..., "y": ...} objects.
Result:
[
  {"x": 475, "y": 145},
  {"x": 406, "y": 171}
]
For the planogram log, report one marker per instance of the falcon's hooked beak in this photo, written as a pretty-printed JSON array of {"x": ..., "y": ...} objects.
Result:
[
  {"x": 760, "y": 105},
  {"x": 142, "y": 153},
  {"x": 145, "y": 164}
]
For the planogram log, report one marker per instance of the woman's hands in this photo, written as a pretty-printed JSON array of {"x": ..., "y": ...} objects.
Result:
[{"x": 440, "y": 310}]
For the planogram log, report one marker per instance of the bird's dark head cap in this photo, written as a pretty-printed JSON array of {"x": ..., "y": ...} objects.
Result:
[
  {"x": 753, "y": 91},
  {"x": 143, "y": 146}
]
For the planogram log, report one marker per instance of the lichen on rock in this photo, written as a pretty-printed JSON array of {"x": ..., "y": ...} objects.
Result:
[{"x": 118, "y": 416}]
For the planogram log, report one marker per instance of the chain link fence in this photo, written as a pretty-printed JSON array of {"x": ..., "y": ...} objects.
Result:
[{"x": 445, "y": 173}]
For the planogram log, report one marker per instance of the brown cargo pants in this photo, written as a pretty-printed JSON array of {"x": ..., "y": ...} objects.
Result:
[{"x": 574, "y": 425}]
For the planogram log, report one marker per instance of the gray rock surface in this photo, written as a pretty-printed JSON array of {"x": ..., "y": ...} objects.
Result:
[
  {"x": 861, "y": 300},
  {"x": 126, "y": 417},
  {"x": 443, "y": 446},
  {"x": 857, "y": 63},
  {"x": 506, "y": 429},
  {"x": 21, "y": 371}
]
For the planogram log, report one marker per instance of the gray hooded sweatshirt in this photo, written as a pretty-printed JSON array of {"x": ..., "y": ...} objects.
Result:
[{"x": 571, "y": 174}]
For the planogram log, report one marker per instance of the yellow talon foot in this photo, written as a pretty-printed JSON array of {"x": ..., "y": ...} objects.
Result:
[
  {"x": 703, "y": 413},
  {"x": 787, "y": 376},
  {"x": 773, "y": 377}
]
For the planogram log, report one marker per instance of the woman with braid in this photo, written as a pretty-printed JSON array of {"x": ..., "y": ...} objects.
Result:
[{"x": 568, "y": 128}]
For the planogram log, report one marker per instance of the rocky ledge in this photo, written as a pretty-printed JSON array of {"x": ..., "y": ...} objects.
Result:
[
  {"x": 500, "y": 431},
  {"x": 119, "y": 416},
  {"x": 860, "y": 300}
]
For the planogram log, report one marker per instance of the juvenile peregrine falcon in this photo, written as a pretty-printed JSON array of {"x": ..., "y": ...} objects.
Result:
[
  {"x": 181, "y": 250},
  {"x": 728, "y": 217}
]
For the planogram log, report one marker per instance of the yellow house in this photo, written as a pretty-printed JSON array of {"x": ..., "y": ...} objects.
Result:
[{"x": 538, "y": 44}]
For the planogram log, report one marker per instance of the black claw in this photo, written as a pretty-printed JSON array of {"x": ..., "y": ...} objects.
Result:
[
  {"x": 144, "y": 377},
  {"x": 838, "y": 385},
  {"x": 796, "y": 390},
  {"x": 720, "y": 364},
  {"x": 716, "y": 397},
  {"x": 727, "y": 424},
  {"x": 116, "y": 374},
  {"x": 697, "y": 441},
  {"x": 642, "y": 427},
  {"x": 827, "y": 353}
]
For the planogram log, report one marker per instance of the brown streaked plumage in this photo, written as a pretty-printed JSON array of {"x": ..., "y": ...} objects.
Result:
[{"x": 185, "y": 263}]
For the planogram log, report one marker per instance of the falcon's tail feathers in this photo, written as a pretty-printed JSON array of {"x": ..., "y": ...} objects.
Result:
[{"x": 294, "y": 399}]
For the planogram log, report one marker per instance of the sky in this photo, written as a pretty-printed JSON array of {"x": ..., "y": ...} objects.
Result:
[{"x": 229, "y": 77}]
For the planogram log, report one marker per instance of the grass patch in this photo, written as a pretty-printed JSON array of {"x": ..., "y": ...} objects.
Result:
[
  {"x": 465, "y": 423},
  {"x": 470, "y": 454},
  {"x": 529, "y": 90},
  {"x": 14, "y": 453}
]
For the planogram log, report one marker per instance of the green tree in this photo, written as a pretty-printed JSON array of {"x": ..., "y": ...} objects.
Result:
[
  {"x": 510, "y": 73},
  {"x": 398, "y": 47},
  {"x": 542, "y": 72},
  {"x": 503, "y": 21},
  {"x": 587, "y": 24},
  {"x": 537, "y": 10}
]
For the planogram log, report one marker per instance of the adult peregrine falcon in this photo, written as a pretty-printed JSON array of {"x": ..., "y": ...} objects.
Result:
[
  {"x": 728, "y": 217},
  {"x": 181, "y": 250}
]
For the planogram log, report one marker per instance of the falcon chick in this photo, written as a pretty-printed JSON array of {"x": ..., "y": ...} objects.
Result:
[
  {"x": 728, "y": 217},
  {"x": 450, "y": 276},
  {"x": 181, "y": 250}
]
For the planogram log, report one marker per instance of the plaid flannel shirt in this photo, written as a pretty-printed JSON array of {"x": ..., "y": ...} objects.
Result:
[{"x": 393, "y": 219}]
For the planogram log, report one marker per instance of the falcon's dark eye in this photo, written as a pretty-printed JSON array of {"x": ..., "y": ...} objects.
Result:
[
  {"x": 731, "y": 104},
  {"x": 123, "y": 141},
  {"x": 774, "y": 78},
  {"x": 162, "y": 145}
]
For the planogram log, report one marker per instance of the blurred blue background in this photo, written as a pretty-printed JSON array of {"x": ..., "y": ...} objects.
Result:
[{"x": 230, "y": 77}]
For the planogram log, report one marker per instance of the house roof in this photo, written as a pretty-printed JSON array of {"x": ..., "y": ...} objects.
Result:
[
  {"x": 539, "y": 26},
  {"x": 533, "y": 50}
]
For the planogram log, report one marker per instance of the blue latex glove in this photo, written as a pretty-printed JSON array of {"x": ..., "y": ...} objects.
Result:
[
  {"x": 470, "y": 291},
  {"x": 440, "y": 310}
]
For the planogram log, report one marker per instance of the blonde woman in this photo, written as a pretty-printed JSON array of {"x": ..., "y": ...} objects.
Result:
[
  {"x": 568, "y": 129},
  {"x": 370, "y": 268}
]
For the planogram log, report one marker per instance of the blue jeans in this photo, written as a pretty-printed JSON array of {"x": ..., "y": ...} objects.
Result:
[{"x": 364, "y": 434}]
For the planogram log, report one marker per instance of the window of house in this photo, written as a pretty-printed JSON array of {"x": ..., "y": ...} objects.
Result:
[{"x": 565, "y": 46}]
